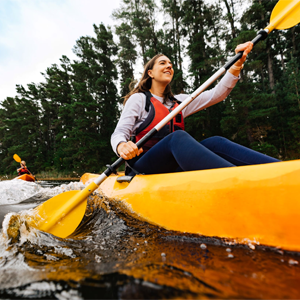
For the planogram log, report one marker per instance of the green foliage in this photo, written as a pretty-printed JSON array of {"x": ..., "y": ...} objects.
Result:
[
  {"x": 64, "y": 124},
  {"x": 126, "y": 57},
  {"x": 266, "y": 148}
]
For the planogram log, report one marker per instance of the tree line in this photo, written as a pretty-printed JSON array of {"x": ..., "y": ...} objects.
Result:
[{"x": 65, "y": 122}]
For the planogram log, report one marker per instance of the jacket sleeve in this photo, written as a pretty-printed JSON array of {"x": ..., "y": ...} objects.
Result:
[
  {"x": 210, "y": 97},
  {"x": 130, "y": 118}
]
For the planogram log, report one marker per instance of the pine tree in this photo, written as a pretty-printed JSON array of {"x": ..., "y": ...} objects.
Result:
[
  {"x": 251, "y": 107},
  {"x": 127, "y": 57},
  {"x": 202, "y": 28},
  {"x": 9, "y": 134},
  {"x": 171, "y": 41},
  {"x": 95, "y": 100},
  {"x": 289, "y": 102},
  {"x": 141, "y": 15},
  {"x": 56, "y": 98},
  {"x": 19, "y": 131}
]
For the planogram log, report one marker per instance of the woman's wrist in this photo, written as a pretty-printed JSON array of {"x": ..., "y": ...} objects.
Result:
[
  {"x": 237, "y": 67},
  {"x": 118, "y": 147}
]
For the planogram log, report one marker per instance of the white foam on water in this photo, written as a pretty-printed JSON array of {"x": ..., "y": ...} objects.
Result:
[
  {"x": 64, "y": 251},
  {"x": 46, "y": 289},
  {"x": 11, "y": 258},
  {"x": 16, "y": 191},
  {"x": 25, "y": 235},
  {"x": 5, "y": 225}
]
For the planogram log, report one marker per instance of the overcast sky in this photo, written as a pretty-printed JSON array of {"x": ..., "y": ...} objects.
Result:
[{"x": 35, "y": 33}]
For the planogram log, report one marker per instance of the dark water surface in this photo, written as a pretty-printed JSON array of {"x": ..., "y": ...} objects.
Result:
[{"x": 112, "y": 255}]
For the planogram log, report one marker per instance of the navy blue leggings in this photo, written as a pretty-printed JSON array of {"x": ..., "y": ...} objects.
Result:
[{"x": 181, "y": 152}]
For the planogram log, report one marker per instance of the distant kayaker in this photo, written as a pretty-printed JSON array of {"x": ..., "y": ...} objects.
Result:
[
  {"x": 172, "y": 150},
  {"x": 23, "y": 169}
]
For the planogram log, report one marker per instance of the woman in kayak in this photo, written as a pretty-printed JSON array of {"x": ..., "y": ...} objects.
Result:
[
  {"x": 23, "y": 169},
  {"x": 172, "y": 150}
]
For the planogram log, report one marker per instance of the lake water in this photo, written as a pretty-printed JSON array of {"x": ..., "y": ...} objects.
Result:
[{"x": 113, "y": 256}]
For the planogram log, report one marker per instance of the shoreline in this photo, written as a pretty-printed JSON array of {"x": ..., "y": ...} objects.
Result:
[
  {"x": 6, "y": 177},
  {"x": 58, "y": 179}
]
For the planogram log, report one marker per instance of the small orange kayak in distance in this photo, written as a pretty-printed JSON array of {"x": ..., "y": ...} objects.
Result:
[{"x": 26, "y": 177}]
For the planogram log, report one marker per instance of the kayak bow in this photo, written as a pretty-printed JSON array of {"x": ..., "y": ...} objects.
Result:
[
  {"x": 26, "y": 177},
  {"x": 247, "y": 204}
]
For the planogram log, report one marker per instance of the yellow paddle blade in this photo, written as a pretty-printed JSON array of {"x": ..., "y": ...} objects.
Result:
[
  {"x": 17, "y": 158},
  {"x": 285, "y": 14},
  {"x": 58, "y": 215}
]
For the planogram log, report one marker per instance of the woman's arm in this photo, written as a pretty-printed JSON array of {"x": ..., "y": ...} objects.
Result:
[
  {"x": 210, "y": 97},
  {"x": 132, "y": 115},
  {"x": 222, "y": 89}
]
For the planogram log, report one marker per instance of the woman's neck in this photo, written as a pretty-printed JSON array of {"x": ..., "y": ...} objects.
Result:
[{"x": 157, "y": 90}]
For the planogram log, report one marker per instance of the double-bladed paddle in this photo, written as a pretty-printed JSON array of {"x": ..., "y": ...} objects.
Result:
[
  {"x": 17, "y": 158},
  {"x": 62, "y": 214}
]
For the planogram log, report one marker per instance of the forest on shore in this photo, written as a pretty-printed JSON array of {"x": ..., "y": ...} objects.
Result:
[{"x": 64, "y": 123}]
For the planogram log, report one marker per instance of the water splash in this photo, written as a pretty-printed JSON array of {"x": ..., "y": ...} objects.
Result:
[
  {"x": 113, "y": 254},
  {"x": 19, "y": 191},
  {"x": 18, "y": 195},
  {"x": 16, "y": 191}
]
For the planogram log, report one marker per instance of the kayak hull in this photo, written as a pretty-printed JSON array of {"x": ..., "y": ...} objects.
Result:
[
  {"x": 250, "y": 204},
  {"x": 26, "y": 177}
]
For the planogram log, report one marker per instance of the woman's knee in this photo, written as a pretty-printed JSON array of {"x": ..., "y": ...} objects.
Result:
[
  {"x": 178, "y": 134},
  {"x": 178, "y": 138},
  {"x": 214, "y": 140}
]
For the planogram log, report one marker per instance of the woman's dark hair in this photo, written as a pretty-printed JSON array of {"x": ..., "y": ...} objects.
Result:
[{"x": 145, "y": 83}]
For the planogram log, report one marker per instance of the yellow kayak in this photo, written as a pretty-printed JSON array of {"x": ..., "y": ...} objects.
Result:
[
  {"x": 257, "y": 204},
  {"x": 26, "y": 177}
]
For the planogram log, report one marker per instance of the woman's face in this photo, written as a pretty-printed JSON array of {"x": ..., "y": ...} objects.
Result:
[{"x": 162, "y": 70}]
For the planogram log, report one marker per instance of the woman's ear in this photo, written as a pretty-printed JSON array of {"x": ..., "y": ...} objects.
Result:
[{"x": 150, "y": 73}]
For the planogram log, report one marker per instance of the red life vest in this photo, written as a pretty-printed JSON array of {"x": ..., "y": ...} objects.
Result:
[
  {"x": 23, "y": 171},
  {"x": 157, "y": 113}
]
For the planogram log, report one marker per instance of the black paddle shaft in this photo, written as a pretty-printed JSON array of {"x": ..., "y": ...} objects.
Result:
[
  {"x": 113, "y": 168},
  {"x": 260, "y": 36}
]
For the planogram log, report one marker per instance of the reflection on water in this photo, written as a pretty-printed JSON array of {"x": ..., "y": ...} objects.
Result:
[{"x": 112, "y": 255}]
